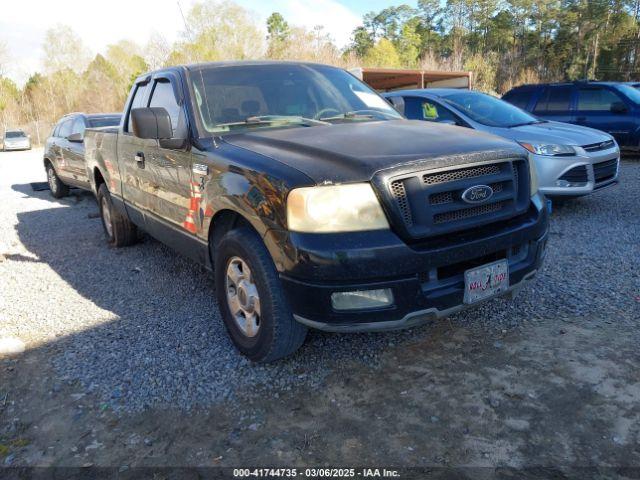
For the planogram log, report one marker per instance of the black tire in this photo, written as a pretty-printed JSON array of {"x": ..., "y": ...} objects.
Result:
[
  {"x": 278, "y": 334},
  {"x": 122, "y": 232},
  {"x": 57, "y": 188}
]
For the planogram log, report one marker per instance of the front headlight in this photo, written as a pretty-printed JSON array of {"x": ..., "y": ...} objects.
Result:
[
  {"x": 549, "y": 149},
  {"x": 533, "y": 175},
  {"x": 335, "y": 208}
]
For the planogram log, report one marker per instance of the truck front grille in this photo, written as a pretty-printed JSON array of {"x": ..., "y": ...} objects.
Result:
[
  {"x": 450, "y": 176},
  {"x": 466, "y": 213},
  {"x": 430, "y": 203},
  {"x": 397, "y": 189}
]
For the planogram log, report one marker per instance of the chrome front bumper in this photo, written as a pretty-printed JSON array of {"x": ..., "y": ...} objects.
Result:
[{"x": 551, "y": 169}]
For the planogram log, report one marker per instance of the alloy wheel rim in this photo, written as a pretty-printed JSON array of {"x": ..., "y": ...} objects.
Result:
[
  {"x": 52, "y": 179},
  {"x": 242, "y": 297},
  {"x": 106, "y": 217}
]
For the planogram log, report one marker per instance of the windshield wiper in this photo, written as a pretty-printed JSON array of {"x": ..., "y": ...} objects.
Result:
[
  {"x": 524, "y": 124},
  {"x": 359, "y": 114},
  {"x": 268, "y": 119}
]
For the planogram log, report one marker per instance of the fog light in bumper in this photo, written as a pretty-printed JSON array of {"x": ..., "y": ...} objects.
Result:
[
  {"x": 564, "y": 184},
  {"x": 362, "y": 299}
]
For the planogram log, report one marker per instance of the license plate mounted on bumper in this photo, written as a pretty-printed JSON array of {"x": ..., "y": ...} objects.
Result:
[{"x": 486, "y": 281}]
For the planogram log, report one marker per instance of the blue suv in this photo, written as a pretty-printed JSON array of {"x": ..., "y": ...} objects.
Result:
[{"x": 608, "y": 106}]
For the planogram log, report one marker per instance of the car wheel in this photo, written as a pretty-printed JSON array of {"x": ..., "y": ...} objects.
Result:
[
  {"x": 120, "y": 231},
  {"x": 251, "y": 300},
  {"x": 58, "y": 189}
]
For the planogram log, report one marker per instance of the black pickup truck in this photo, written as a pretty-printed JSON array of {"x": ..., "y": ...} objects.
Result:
[{"x": 313, "y": 201}]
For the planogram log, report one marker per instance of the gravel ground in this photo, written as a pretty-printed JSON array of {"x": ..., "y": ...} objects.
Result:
[
  {"x": 126, "y": 362},
  {"x": 139, "y": 328}
]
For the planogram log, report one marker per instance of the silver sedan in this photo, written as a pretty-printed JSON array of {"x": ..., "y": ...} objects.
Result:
[
  {"x": 570, "y": 160},
  {"x": 16, "y": 140}
]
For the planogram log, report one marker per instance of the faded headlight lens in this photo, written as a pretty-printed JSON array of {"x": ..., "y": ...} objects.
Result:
[
  {"x": 335, "y": 208},
  {"x": 550, "y": 150}
]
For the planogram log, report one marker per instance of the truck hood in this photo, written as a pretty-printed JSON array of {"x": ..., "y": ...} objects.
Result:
[
  {"x": 352, "y": 152},
  {"x": 554, "y": 132}
]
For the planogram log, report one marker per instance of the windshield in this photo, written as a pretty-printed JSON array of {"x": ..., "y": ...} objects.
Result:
[
  {"x": 489, "y": 110},
  {"x": 14, "y": 135},
  {"x": 277, "y": 95},
  {"x": 96, "y": 122},
  {"x": 631, "y": 93}
]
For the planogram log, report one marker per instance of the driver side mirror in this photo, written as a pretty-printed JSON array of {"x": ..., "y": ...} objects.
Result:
[
  {"x": 151, "y": 123},
  {"x": 618, "y": 107},
  {"x": 155, "y": 123},
  {"x": 76, "y": 137}
]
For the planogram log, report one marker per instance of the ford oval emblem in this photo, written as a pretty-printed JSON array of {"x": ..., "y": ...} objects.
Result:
[{"x": 477, "y": 194}]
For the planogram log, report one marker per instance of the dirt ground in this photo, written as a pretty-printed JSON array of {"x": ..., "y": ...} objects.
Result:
[{"x": 557, "y": 391}]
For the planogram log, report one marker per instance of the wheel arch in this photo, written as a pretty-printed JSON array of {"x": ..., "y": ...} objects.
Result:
[{"x": 222, "y": 222}]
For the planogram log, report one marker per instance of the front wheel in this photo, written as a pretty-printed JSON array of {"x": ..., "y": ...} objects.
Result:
[
  {"x": 119, "y": 229},
  {"x": 251, "y": 300},
  {"x": 58, "y": 189}
]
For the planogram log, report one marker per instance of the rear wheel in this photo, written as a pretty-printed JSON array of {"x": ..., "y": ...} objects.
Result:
[
  {"x": 251, "y": 300},
  {"x": 120, "y": 231},
  {"x": 58, "y": 189}
]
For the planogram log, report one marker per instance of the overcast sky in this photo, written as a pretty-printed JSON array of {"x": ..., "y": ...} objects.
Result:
[{"x": 99, "y": 23}]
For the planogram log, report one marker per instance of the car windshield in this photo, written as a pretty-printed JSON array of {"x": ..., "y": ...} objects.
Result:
[
  {"x": 632, "y": 93},
  {"x": 231, "y": 98},
  {"x": 14, "y": 135},
  {"x": 96, "y": 122},
  {"x": 489, "y": 110}
]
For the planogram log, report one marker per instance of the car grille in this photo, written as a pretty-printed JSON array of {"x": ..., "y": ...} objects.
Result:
[
  {"x": 430, "y": 203},
  {"x": 596, "y": 147},
  {"x": 605, "y": 171},
  {"x": 576, "y": 175}
]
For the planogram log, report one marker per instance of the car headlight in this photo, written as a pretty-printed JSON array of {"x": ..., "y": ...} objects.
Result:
[
  {"x": 549, "y": 149},
  {"x": 533, "y": 176},
  {"x": 335, "y": 208}
]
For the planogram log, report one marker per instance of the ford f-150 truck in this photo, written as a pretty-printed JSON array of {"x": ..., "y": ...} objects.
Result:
[{"x": 313, "y": 201}]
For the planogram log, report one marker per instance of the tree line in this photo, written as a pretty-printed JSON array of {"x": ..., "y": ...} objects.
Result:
[{"x": 503, "y": 42}]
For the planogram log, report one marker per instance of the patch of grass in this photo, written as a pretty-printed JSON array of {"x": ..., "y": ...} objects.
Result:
[
  {"x": 20, "y": 442},
  {"x": 5, "y": 448}
]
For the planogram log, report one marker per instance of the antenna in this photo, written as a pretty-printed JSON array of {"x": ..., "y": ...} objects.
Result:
[{"x": 184, "y": 20}]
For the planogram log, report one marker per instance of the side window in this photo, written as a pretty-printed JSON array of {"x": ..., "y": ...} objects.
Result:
[
  {"x": 421, "y": 109},
  {"x": 413, "y": 108},
  {"x": 519, "y": 98},
  {"x": 554, "y": 99},
  {"x": 78, "y": 126},
  {"x": 596, "y": 99},
  {"x": 163, "y": 96},
  {"x": 65, "y": 128},
  {"x": 137, "y": 102}
]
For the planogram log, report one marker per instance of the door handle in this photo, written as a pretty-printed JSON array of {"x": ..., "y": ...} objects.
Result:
[{"x": 140, "y": 159}]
